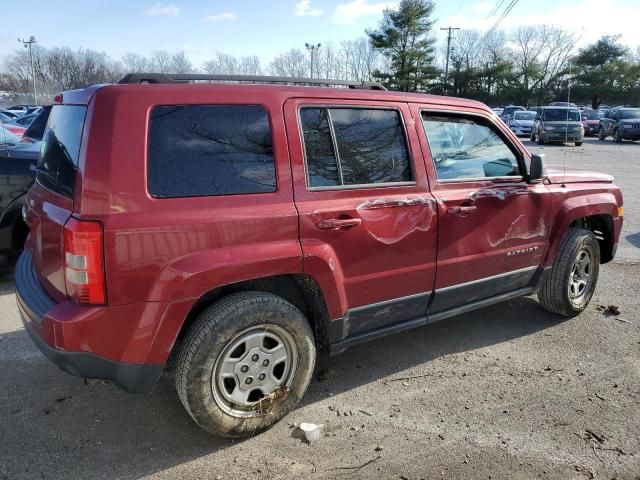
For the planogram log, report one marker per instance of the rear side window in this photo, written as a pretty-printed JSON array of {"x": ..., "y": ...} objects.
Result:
[
  {"x": 354, "y": 146},
  {"x": 60, "y": 149},
  {"x": 204, "y": 150}
]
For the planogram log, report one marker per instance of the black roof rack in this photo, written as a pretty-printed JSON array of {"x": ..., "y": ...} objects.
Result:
[{"x": 204, "y": 77}]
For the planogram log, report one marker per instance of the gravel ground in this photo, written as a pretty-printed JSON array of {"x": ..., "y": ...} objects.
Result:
[{"x": 507, "y": 392}]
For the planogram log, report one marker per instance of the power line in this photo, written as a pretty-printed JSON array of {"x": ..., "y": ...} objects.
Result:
[
  {"x": 495, "y": 9},
  {"x": 502, "y": 17}
]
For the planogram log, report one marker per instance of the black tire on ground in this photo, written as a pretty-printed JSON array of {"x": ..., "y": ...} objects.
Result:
[
  {"x": 214, "y": 329},
  {"x": 617, "y": 137},
  {"x": 539, "y": 138},
  {"x": 553, "y": 293},
  {"x": 601, "y": 135},
  {"x": 578, "y": 144}
]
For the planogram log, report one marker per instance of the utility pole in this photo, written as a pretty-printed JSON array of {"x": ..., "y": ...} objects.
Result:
[
  {"x": 312, "y": 48},
  {"x": 446, "y": 65},
  {"x": 28, "y": 44}
]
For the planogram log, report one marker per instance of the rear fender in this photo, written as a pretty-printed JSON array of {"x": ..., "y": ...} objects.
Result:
[
  {"x": 322, "y": 264},
  {"x": 192, "y": 276}
]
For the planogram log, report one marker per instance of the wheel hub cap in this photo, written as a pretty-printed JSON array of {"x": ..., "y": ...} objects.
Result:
[
  {"x": 254, "y": 364},
  {"x": 580, "y": 278}
]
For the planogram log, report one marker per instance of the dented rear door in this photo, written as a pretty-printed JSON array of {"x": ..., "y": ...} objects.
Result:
[{"x": 368, "y": 223}]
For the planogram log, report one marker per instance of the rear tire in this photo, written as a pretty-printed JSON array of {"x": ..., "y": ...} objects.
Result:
[
  {"x": 539, "y": 138},
  {"x": 567, "y": 287},
  {"x": 230, "y": 379},
  {"x": 578, "y": 144},
  {"x": 601, "y": 136}
]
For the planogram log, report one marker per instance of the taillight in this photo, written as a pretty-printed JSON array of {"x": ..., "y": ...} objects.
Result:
[{"x": 83, "y": 268}]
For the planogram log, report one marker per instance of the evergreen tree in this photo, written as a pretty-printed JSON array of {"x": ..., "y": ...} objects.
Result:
[
  {"x": 403, "y": 37},
  {"x": 600, "y": 67}
]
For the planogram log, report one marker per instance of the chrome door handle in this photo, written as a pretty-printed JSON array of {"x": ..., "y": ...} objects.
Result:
[
  {"x": 463, "y": 210},
  {"x": 336, "y": 223}
]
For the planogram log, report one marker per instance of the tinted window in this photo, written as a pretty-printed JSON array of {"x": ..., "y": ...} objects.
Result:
[
  {"x": 60, "y": 149},
  {"x": 463, "y": 148},
  {"x": 354, "y": 146},
  {"x": 629, "y": 113},
  {"x": 201, "y": 150},
  {"x": 524, "y": 115},
  {"x": 591, "y": 115},
  {"x": 322, "y": 167},
  {"x": 561, "y": 115}
]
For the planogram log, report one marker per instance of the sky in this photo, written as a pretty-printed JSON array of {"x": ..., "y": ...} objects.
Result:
[{"x": 268, "y": 27}]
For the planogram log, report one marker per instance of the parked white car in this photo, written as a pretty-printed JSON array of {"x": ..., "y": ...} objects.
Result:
[{"x": 521, "y": 122}]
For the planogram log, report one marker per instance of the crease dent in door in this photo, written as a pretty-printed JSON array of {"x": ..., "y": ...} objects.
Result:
[
  {"x": 519, "y": 231},
  {"x": 416, "y": 213}
]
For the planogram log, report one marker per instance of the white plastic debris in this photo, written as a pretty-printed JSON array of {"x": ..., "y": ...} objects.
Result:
[{"x": 311, "y": 431}]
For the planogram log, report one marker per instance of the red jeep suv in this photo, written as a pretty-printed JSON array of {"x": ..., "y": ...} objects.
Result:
[{"x": 244, "y": 228}]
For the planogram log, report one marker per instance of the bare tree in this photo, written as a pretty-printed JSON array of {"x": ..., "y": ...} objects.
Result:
[
  {"x": 250, "y": 65},
  {"x": 222, "y": 64},
  {"x": 180, "y": 63},
  {"x": 540, "y": 54},
  {"x": 294, "y": 63},
  {"x": 360, "y": 60},
  {"x": 161, "y": 61},
  {"x": 135, "y": 63}
]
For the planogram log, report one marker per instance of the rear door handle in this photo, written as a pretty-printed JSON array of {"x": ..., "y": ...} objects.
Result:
[
  {"x": 336, "y": 223},
  {"x": 463, "y": 210}
]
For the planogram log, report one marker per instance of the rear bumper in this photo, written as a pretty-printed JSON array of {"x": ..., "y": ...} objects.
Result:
[{"x": 36, "y": 307}]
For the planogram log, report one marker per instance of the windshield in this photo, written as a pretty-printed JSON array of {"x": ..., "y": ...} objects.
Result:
[
  {"x": 561, "y": 115},
  {"x": 524, "y": 115},
  {"x": 593, "y": 115},
  {"x": 630, "y": 113}
]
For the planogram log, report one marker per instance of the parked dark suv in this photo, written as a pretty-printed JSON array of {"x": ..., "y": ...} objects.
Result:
[
  {"x": 18, "y": 160},
  {"x": 621, "y": 123},
  {"x": 245, "y": 228}
]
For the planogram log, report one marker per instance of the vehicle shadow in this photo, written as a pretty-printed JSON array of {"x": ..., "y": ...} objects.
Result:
[
  {"x": 97, "y": 428},
  {"x": 634, "y": 239}
]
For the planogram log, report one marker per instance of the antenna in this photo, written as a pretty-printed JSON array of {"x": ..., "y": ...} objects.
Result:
[{"x": 566, "y": 131}]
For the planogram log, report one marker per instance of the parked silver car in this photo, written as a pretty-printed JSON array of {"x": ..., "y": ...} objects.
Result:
[{"x": 558, "y": 124}]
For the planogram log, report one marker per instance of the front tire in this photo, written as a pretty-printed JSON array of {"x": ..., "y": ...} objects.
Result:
[
  {"x": 578, "y": 144},
  {"x": 601, "y": 135},
  {"x": 566, "y": 289},
  {"x": 617, "y": 136},
  {"x": 245, "y": 363},
  {"x": 539, "y": 138}
]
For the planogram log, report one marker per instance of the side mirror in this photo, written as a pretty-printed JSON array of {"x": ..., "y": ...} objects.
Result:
[{"x": 536, "y": 169}]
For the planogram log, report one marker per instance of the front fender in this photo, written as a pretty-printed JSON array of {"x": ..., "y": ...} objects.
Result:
[{"x": 574, "y": 208}]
